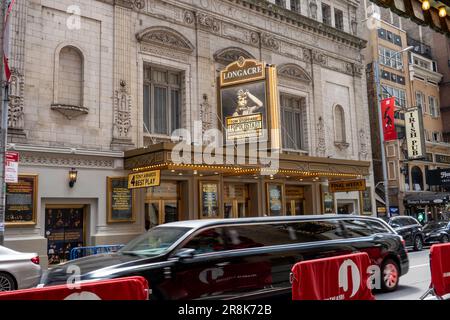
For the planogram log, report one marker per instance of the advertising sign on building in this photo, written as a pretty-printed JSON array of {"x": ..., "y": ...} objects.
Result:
[
  {"x": 144, "y": 179},
  {"x": 347, "y": 186},
  {"x": 414, "y": 133},
  {"x": 249, "y": 102},
  {"x": 387, "y": 111},
  {"x": 11, "y": 167},
  {"x": 438, "y": 177}
]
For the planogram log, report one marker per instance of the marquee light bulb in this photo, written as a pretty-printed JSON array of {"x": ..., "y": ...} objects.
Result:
[
  {"x": 442, "y": 12},
  {"x": 426, "y": 5}
]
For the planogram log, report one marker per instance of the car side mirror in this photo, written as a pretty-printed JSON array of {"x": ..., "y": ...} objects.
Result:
[{"x": 185, "y": 253}]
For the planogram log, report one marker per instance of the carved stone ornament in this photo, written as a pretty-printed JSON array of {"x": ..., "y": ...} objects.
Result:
[
  {"x": 16, "y": 100},
  {"x": 313, "y": 9},
  {"x": 208, "y": 23},
  {"x": 307, "y": 55},
  {"x": 293, "y": 71},
  {"x": 166, "y": 37},
  {"x": 189, "y": 17},
  {"x": 122, "y": 112},
  {"x": 363, "y": 148},
  {"x": 139, "y": 4},
  {"x": 254, "y": 38},
  {"x": 321, "y": 144},
  {"x": 268, "y": 41},
  {"x": 319, "y": 58},
  {"x": 231, "y": 54},
  {"x": 358, "y": 69},
  {"x": 341, "y": 145}
]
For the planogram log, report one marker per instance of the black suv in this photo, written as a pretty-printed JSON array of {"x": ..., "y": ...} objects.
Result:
[
  {"x": 410, "y": 229},
  {"x": 248, "y": 258}
]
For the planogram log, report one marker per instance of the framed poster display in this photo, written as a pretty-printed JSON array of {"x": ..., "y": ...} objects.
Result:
[
  {"x": 274, "y": 197},
  {"x": 120, "y": 201},
  {"x": 327, "y": 200},
  {"x": 366, "y": 202},
  {"x": 21, "y": 201},
  {"x": 209, "y": 200}
]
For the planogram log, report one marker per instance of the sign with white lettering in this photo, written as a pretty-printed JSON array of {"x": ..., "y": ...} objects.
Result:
[
  {"x": 242, "y": 71},
  {"x": 144, "y": 179},
  {"x": 11, "y": 167},
  {"x": 414, "y": 133}
]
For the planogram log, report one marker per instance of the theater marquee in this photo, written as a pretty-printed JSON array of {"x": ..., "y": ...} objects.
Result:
[{"x": 249, "y": 103}]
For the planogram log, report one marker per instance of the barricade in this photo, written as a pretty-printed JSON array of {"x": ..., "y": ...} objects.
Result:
[
  {"x": 440, "y": 271},
  {"x": 130, "y": 288},
  {"x": 337, "y": 278},
  {"x": 80, "y": 252}
]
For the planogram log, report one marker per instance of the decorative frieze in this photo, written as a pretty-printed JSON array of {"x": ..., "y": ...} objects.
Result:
[
  {"x": 16, "y": 100},
  {"x": 269, "y": 41},
  {"x": 294, "y": 72},
  {"x": 231, "y": 54},
  {"x": 70, "y": 161},
  {"x": 207, "y": 22}
]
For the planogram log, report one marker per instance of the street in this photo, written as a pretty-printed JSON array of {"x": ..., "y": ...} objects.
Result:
[{"x": 416, "y": 282}]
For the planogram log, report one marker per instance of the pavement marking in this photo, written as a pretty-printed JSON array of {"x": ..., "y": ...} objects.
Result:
[{"x": 420, "y": 266}]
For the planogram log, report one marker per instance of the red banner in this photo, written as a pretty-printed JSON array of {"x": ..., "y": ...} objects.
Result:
[
  {"x": 130, "y": 288},
  {"x": 440, "y": 268},
  {"x": 336, "y": 278},
  {"x": 387, "y": 111}
]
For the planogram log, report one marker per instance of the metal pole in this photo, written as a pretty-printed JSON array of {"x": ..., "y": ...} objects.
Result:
[
  {"x": 4, "y": 126},
  {"x": 380, "y": 125}
]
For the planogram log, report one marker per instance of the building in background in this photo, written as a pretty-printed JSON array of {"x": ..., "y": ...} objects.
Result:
[
  {"x": 414, "y": 78},
  {"x": 98, "y": 88}
]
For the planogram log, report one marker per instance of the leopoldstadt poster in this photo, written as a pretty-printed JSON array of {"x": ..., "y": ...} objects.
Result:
[{"x": 20, "y": 200}]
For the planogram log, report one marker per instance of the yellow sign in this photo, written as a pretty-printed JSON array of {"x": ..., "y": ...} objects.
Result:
[
  {"x": 244, "y": 126},
  {"x": 144, "y": 179},
  {"x": 347, "y": 186},
  {"x": 381, "y": 209}
]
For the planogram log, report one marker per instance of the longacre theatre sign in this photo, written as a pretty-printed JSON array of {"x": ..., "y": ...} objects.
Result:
[{"x": 347, "y": 186}]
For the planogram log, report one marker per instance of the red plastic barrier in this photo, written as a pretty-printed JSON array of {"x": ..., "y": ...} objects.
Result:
[
  {"x": 440, "y": 268},
  {"x": 130, "y": 288},
  {"x": 336, "y": 278}
]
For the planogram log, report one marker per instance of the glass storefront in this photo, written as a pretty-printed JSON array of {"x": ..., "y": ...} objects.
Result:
[
  {"x": 162, "y": 204},
  {"x": 295, "y": 200},
  {"x": 236, "y": 200}
]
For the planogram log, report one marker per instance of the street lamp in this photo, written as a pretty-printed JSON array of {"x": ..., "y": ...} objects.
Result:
[{"x": 380, "y": 125}]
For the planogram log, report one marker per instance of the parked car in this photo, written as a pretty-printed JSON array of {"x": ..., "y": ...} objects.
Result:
[
  {"x": 436, "y": 232},
  {"x": 18, "y": 270},
  {"x": 410, "y": 229},
  {"x": 248, "y": 258}
]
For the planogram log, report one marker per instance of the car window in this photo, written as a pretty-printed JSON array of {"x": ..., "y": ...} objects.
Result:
[
  {"x": 357, "y": 228},
  {"x": 208, "y": 241},
  {"x": 412, "y": 221},
  {"x": 259, "y": 235},
  {"x": 378, "y": 227}
]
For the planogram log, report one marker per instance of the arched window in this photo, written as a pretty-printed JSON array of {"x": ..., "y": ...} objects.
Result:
[
  {"x": 70, "y": 77},
  {"x": 339, "y": 124},
  {"x": 417, "y": 179}
]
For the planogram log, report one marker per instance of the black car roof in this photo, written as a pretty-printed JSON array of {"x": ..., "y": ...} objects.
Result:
[{"x": 197, "y": 224}]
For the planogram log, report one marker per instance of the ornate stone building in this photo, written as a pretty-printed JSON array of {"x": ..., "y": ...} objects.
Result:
[{"x": 93, "y": 79}]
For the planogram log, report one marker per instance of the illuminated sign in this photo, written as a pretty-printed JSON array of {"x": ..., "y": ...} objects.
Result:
[
  {"x": 347, "y": 186},
  {"x": 144, "y": 179}
]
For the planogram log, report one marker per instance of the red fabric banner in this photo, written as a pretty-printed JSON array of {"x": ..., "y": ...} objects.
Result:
[
  {"x": 387, "y": 111},
  {"x": 440, "y": 268},
  {"x": 130, "y": 288},
  {"x": 336, "y": 278}
]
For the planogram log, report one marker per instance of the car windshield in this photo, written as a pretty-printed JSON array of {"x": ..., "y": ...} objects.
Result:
[
  {"x": 154, "y": 242},
  {"x": 434, "y": 225}
]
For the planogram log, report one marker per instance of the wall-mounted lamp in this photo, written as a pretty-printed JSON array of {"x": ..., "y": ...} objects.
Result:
[
  {"x": 426, "y": 5},
  {"x": 442, "y": 12},
  {"x": 72, "y": 177}
]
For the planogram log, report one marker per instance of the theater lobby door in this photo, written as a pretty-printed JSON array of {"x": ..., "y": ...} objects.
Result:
[
  {"x": 295, "y": 200},
  {"x": 236, "y": 200},
  {"x": 162, "y": 204}
]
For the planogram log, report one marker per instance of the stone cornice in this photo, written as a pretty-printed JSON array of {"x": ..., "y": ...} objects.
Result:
[{"x": 306, "y": 23}]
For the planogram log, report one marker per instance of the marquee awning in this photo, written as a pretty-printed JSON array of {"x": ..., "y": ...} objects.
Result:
[
  {"x": 413, "y": 9},
  {"x": 426, "y": 198}
]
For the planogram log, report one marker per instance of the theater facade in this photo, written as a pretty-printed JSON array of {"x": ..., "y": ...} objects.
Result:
[{"x": 217, "y": 109}]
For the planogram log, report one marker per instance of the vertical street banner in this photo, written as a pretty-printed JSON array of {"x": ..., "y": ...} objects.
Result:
[
  {"x": 6, "y": 39},
  {"x": 11, "y": 167},
  {"x": 414, "y": 133},
  {"x": 387, "y": 112}
]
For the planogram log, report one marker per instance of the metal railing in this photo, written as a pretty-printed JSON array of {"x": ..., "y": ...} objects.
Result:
[{"x": 80, "y": 252}]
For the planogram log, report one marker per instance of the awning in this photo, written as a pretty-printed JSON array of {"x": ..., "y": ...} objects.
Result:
[
  {"x": 413, "y": 9},
  {"x": 426, "y": 198}
]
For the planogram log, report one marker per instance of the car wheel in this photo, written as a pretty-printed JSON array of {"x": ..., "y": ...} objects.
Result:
[
  {"x": 418, "y": 243},
  {"x": 444, "y": 239},
  {"x": 390, "y": 274},
  {"x": 7, "y": 282}
]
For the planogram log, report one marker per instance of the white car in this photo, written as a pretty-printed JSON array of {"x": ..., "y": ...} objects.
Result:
[{"x": 18, "y": 270}]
